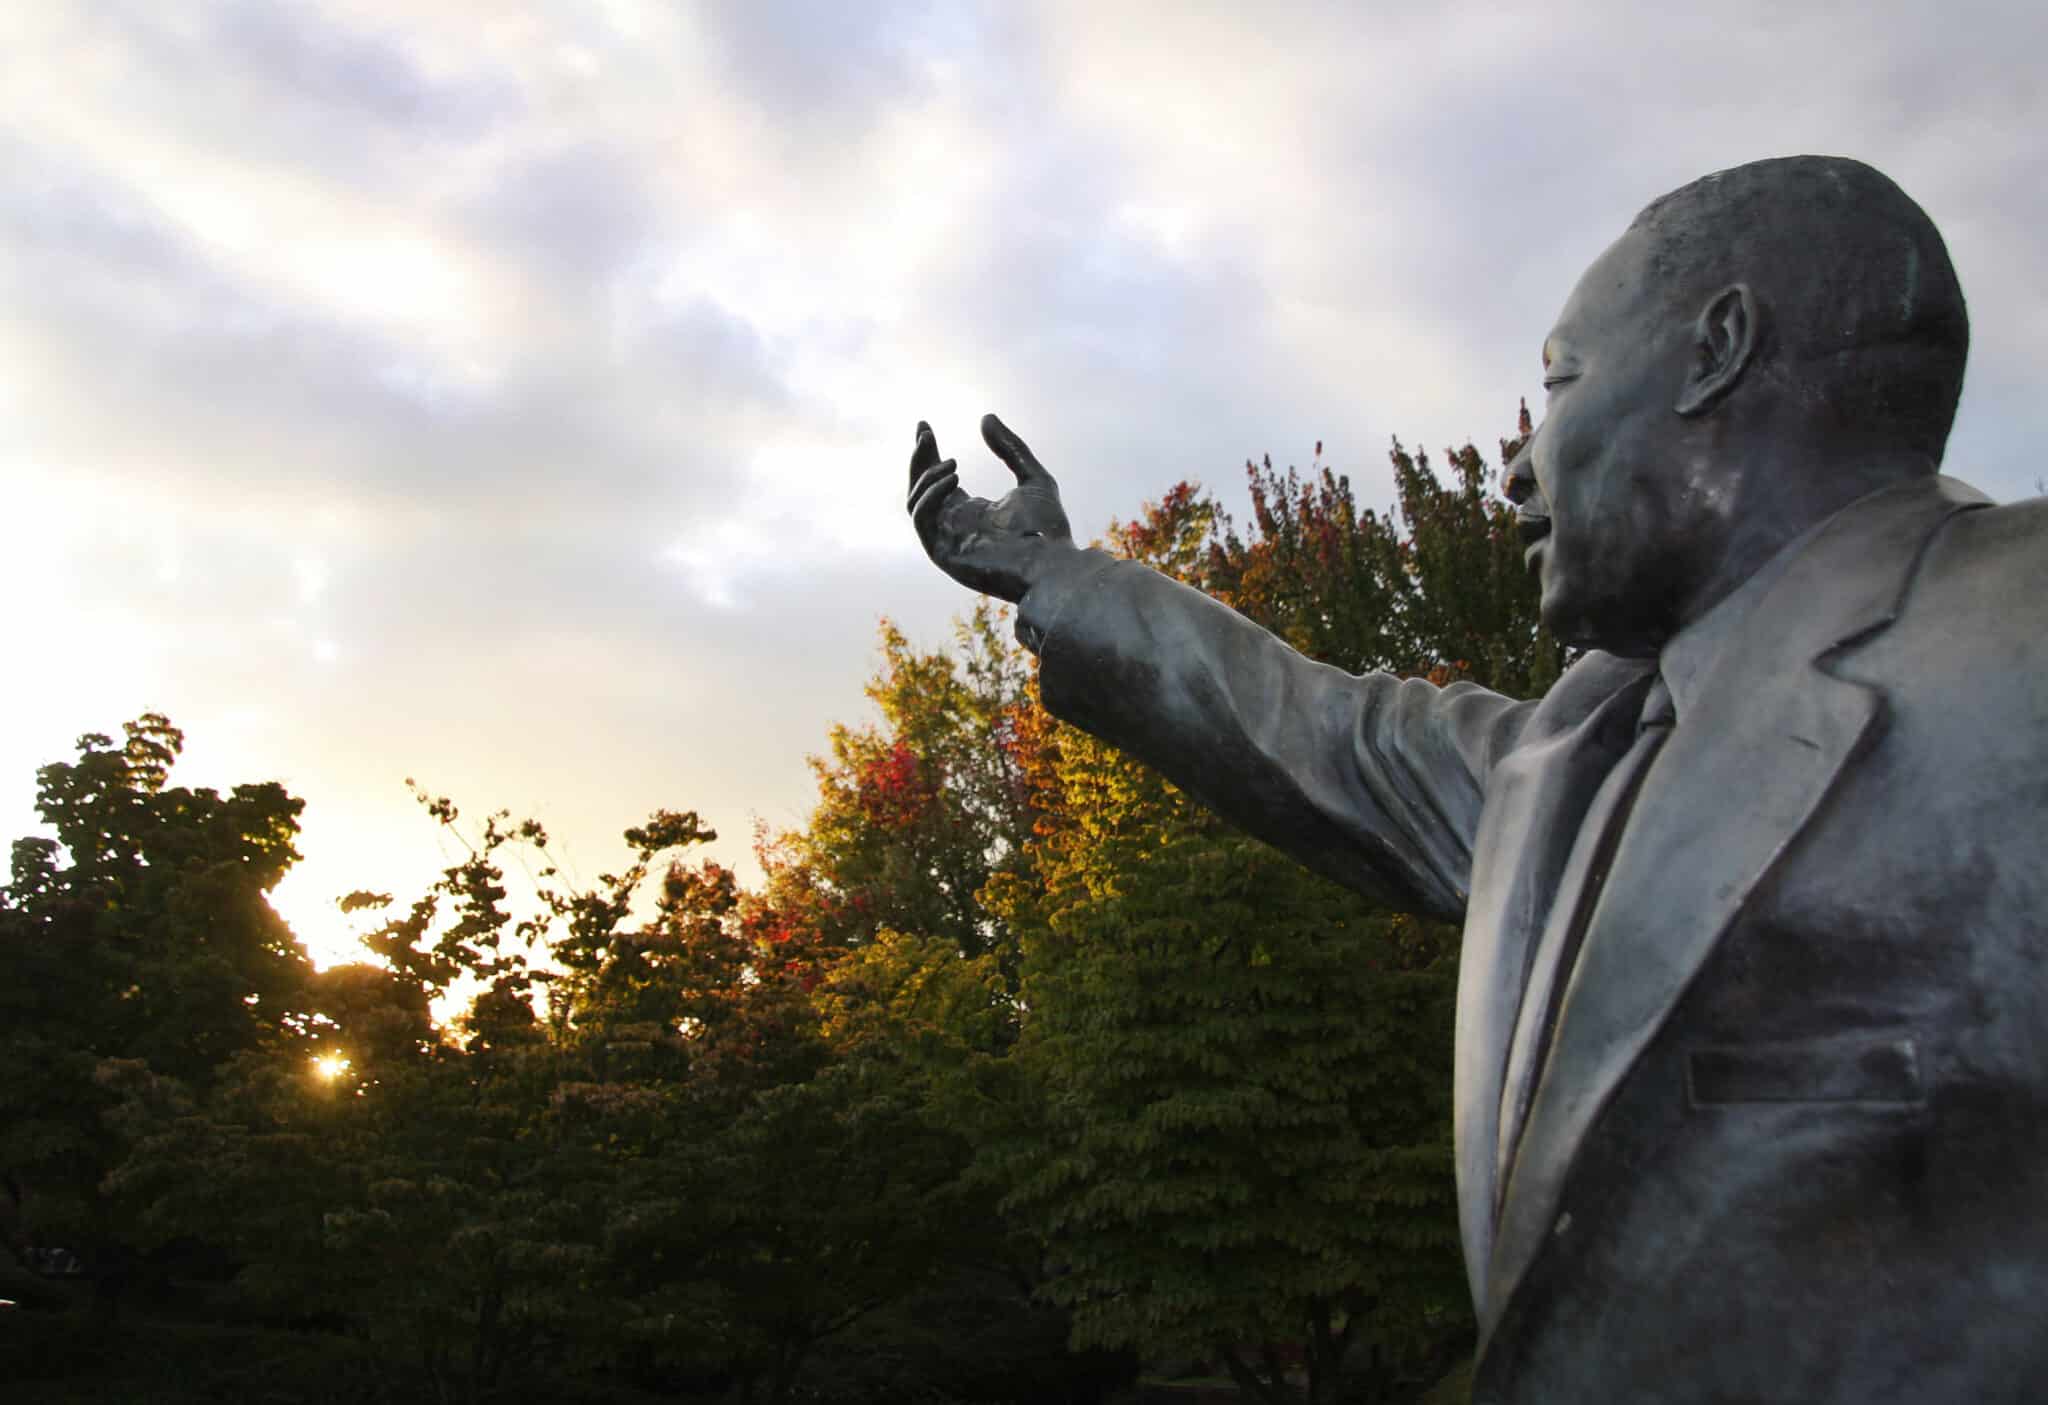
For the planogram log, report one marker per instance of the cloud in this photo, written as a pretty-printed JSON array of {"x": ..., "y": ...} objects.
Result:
[
  {"x": 525, "y": 393},
  {"x": 136, "y": 342},
  {"x": 312, "y": 60},
  {"x": 582, "y": 209},
  {"x": 822, "y": 71}
]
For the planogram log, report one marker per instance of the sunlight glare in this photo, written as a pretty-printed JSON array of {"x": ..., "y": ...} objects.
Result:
[
  {"x": 331, "y": 1066},
  {"x": 395, "y": 276}
]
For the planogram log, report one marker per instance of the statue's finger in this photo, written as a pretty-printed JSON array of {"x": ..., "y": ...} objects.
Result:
[
  {"x": 931, "y": 497},
  {"x": 925, "y": 454},
  {"x": 1012, "y": 451},
  {"x": 925, "y": 479}
]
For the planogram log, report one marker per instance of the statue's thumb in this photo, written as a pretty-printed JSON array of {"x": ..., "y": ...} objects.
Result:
[{"x": 1011, "y": 450}]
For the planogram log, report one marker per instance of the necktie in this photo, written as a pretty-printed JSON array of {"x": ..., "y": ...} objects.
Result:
[{"x": 1578, "y": 894}]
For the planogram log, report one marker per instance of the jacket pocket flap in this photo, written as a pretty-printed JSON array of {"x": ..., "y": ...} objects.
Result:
[{"x": 1865, "y": 1070}]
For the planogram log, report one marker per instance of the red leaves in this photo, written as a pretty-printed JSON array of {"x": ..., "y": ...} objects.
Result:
[
  {"x": 1171, "y": 534},
  {"x": 893, "y": 789}
]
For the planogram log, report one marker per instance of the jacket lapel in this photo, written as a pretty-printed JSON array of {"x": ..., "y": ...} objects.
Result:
[
  {"x": 1536, "y": 798},
  {"x": 1774, "y": 720}
]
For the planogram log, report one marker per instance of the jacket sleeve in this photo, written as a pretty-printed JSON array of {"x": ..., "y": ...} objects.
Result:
[{"x": 1371, "y": 780}]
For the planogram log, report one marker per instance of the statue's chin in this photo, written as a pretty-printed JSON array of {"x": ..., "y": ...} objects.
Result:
[{"x": 1616, "y": 629}]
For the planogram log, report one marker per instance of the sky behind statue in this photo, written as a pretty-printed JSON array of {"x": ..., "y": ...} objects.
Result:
[{"x": 401, "y": 389}]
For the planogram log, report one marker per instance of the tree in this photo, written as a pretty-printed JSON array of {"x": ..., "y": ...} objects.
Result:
[
  {"x": 1442, "y": 592},
  {"x": 915, "y": 814},
  {"x": 141, "y": 931},
  {"x": 401, "y": 1183},
  {"x": 1240, "y": 1140},
  {"x": 1236, "y": 1143},
  {"x": 812, "y": 1206},
  {"x": 716, "y": 1151},
  {"x": 1007, "y": 1014},
  {"x": 160, "y": 890}
]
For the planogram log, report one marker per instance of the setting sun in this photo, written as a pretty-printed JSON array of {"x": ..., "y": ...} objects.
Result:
[{"x": 331, "y": 1066}]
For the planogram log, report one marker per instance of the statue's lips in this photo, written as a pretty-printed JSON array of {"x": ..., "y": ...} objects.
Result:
[{"x": 1532, "y": 527}]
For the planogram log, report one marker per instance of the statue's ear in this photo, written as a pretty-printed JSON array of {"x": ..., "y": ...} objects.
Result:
[{"x": 1724, "y": 340}]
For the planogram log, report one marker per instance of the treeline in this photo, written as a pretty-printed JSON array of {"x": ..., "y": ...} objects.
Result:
[{"x": 1015, "y": 1070}]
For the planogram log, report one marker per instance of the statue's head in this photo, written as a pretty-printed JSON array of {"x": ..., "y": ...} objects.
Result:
[{"x": 1758, "y": 348}]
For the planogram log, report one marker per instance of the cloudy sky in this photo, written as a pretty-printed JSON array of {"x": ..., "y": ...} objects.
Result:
[{"x": 517, "y": 396}]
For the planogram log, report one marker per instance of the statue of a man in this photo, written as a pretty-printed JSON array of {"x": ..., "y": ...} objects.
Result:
[{"x": 1752, "y": 1039}]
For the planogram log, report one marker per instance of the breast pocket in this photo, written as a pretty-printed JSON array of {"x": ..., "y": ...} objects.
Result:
[{"x": 1859, "y": 1069}]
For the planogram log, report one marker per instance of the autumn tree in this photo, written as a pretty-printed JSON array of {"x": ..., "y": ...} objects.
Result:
[
  {"x": 1008, "y": 1013},
  {"x": 1436, "y": 588},
  {"x": 915, "y": 812},
  {"x": 1239, "y": 1145},
  {"x": 880, "y": 900}
]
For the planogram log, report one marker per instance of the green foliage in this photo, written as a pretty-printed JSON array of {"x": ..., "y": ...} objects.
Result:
[
  {"x": 140, "y": 931},
  {"x": 154, "y": 895},
  {"x": 821, "y": 1202},
  {"x": 1230, "y": 1118},
  {"x": 465, "y": 1240},
  {"x": 917, "y": 999},
  {"x": 1011, "y": 1038},
  {"x": 56, "y": 1360},
  {"x": 1240, "y": 1086}
]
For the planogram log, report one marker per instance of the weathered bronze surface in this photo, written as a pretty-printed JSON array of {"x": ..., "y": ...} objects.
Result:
[{"x": 1752, "y": 1042}]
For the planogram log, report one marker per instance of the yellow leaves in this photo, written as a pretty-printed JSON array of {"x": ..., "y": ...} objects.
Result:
[{"x": 917, "y": 993}]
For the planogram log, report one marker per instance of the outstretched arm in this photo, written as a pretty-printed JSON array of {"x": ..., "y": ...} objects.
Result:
[{"x": 1372, "y": 780}]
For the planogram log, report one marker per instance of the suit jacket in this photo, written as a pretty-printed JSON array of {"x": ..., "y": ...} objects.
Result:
[{"x": 1790, "y": 1141}]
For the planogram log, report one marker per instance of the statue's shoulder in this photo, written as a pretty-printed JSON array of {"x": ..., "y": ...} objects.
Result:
[
  {"x": 1986, "y": 559},
  {"x": 1993, "y": 537},
  {"x": 1971, "y": 600}
]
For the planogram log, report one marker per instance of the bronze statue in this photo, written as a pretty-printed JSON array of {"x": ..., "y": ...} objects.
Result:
[{"x": 1752, "y": 1039}]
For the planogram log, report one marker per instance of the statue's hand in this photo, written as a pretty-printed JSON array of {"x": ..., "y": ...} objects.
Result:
[{"x": 998, "y": 548}]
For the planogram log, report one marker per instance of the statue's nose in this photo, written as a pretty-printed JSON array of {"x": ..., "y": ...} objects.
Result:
[{"x": 1518, "y": 479}]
